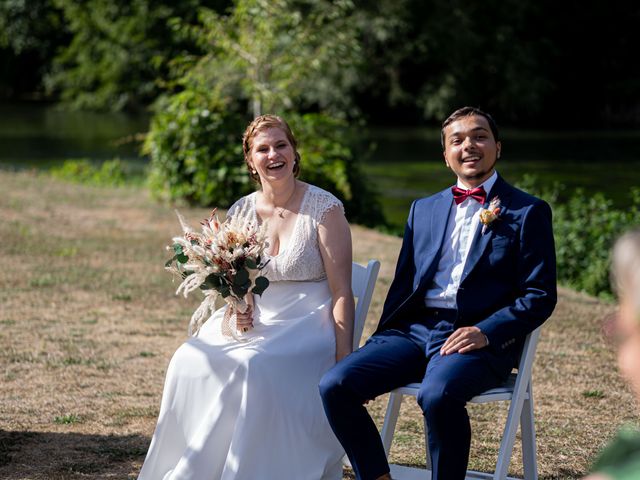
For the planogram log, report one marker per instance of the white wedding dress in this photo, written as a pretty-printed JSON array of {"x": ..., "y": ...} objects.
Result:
[{"x": 252, "y": 411}]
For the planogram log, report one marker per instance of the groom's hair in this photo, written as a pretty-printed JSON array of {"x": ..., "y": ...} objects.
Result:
[{"x": 468, "y": 112}]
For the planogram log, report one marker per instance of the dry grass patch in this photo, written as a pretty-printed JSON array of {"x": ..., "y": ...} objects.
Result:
[{"x": 88, "y": 322}]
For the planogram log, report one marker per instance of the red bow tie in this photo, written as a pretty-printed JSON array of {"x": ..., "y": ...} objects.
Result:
[{"x": 460, "y": 194}]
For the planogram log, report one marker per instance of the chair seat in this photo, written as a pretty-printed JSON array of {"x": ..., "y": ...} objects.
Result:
[{"x": 503, "y": 392}]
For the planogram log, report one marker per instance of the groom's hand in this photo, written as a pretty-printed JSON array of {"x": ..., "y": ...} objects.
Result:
[{"x": 464, "y": 340}]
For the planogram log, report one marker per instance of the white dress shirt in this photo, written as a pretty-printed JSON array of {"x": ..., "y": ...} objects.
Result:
[{"x": 463, "y": 222}]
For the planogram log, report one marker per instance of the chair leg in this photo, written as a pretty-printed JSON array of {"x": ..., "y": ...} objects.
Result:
[
  {"x": 390, "y": 420},
  {"x": 528, "y": 438},
  {"x": 508, "y": 440},
  {"x": 427, "y": 460}
]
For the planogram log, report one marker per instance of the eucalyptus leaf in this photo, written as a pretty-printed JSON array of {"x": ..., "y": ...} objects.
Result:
[
  {"x": 170, "y": 261},
  {"x": 242, "y": 277},
  {"x": 240, "y": 290},
  {"x": 261, "y": 284},
  {"x": 214, "y": 278}
]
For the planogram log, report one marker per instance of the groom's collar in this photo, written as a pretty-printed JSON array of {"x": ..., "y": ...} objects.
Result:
[{"x": 487, "y": 184}]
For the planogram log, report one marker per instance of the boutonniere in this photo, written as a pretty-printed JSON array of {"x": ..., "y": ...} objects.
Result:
[{"x": 490, "y": 215}]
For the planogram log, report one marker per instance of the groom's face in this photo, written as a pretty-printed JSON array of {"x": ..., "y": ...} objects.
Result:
[{"x": 470, "y": 149}]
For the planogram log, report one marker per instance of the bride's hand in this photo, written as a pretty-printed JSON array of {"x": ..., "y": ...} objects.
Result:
[
  {"x": 342, "y": 352},
  {"x": 244, "y": 320}
]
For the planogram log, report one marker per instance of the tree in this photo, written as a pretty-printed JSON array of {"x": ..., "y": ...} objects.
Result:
[
  {"x": 281, "y": 56},
  {"x": 30, "y": 34},
  {"x": 120, "y": 51}
]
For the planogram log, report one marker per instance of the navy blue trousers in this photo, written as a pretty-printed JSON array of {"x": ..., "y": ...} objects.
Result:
[{"x": 410, "y": 352}]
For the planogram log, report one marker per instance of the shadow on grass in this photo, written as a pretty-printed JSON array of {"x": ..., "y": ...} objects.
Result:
[{"x": 49, "y": 455}]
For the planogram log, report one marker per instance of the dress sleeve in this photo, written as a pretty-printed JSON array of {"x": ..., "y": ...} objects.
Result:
[
  {"x": 324, "y": 203},
  {"x": 237, "y": 206}
]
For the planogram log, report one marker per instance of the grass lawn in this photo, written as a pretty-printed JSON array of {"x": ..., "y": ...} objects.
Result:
[{"x": 89, "y": 320}]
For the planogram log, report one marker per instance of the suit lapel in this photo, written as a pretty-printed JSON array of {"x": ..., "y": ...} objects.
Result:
[
  {"x": 437, "y": 229},
  {"x": 440, "y": 217},
  {"x": 480, "y": 240}
]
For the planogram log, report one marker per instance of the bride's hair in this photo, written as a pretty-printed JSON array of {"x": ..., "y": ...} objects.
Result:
[{"x": 264, "y": 122}]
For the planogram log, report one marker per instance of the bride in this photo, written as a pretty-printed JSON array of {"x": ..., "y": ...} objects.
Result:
[{"x": 252, "y": 411}]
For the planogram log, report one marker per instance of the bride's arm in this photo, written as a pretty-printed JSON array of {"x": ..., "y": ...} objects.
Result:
[{"x": 334, "y": 237}]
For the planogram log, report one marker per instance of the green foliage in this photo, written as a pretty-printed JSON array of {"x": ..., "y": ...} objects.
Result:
[
  {"x": 30, "y": 34},
  {"x": 196, "y": 156},
  {"x": 196, "y": 151},
  {"x": 442, "y": 55},
  {"x": 281, "y": 57},
  {"x": 119, "y": 53},
  {"x": 278, "y": 55},
  {"x": 110, "y": 173},
  {"x": 593, "y": 394},
  {"x": 330, "y": 161},
  {"x": 407, "y": 60},
  {"x": 585, "y": 229},
  {"x": 67, "y": 419},
  {"x": 29, "y": 25}
]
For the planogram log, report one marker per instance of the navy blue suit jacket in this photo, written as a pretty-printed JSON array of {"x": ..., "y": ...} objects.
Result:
[{"x": 508, "y": 286}]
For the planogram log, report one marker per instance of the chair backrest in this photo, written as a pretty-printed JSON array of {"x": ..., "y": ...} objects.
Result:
[
  {"x": 529, "y": 350},
  {"x": 528, "y": 354},
  {"x": 363, "y": 281},
  {"x": 517, "y": 385}
]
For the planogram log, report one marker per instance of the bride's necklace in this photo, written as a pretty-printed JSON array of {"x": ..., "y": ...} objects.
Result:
[{"x": 280, "y": 210}]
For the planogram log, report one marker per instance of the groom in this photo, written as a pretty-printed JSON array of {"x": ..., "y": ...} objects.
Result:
[{"x": 466, "y": 292}]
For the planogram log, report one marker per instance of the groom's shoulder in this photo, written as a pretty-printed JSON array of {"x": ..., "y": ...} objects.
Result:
[{"x": 521, "y": 199}]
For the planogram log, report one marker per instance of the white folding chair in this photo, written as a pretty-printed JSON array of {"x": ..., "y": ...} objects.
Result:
[
  {"x": 517, "y": 389},
  {"x": 363, "y": 280}
]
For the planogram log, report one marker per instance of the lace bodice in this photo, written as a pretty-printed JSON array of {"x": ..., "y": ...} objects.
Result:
[{"x": 301, "y": 259}]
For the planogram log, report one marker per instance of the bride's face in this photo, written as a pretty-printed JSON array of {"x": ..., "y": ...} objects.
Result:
[{"x": 272, "y": 156}]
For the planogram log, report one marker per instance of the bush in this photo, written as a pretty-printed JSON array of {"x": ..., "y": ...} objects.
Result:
[
  {"x": 585, "y": 229},
  {"x": 196, "y": 151},
  {"x": 109, "y": 173},
  {"x": 196, "y": 155},
  {"x": 330, "y": 161}
]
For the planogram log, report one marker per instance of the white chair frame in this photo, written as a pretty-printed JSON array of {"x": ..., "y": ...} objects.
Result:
[
  {"x": 363, "y": 281},
  {"x": 517, "y": 389}
]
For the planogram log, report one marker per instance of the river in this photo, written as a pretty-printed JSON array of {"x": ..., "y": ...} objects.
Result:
[{"x": 406, "y": 163}]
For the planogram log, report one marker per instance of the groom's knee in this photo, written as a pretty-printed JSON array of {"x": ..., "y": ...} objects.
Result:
[
  {"x": 332, "y": 384},
  {"x": 439, "y": 397}
]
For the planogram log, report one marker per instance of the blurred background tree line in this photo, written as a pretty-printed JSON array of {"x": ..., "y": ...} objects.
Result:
[
  {"x": 204, "y": 68},
  {"x": 408, "y": 61}
]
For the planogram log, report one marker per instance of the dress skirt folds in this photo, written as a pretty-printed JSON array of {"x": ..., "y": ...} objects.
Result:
[{"x": 252, "y": 411}]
